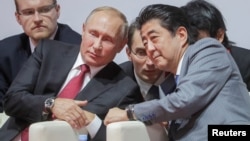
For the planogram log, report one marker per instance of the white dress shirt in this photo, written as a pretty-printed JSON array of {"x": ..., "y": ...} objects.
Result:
[{"x": 179, "y": 65}]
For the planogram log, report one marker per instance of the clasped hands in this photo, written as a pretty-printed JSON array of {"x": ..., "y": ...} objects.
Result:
[{"x": 70, "y": 111}]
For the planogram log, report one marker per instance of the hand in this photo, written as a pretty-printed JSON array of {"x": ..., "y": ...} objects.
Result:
[
  {"x": 70, "y": 111},
  {"x": 165, "y": 123},
  {"x": 114, "y": 115},
  {"x": 90, "y": 116}
]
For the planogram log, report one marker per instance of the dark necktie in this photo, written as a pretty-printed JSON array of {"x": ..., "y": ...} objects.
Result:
[
  {"x": 69, "y": 91},
  {"x": 174, "y": 125},
  {"x": 168, "y": 85},
  {"x": 74, "y": 85},
  {"x": 153, "y": 93}
]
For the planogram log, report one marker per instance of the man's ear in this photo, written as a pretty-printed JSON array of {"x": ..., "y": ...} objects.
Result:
[
  {"x": 18, "y": 18},
  {"x": 83, "y": 28},
  {"x": 181, "y": 32},
  {"x": 220, "y": 34},
  {"x": 122, "y": 45},
  {"x": 128, "y": 51},
  {"x": 58, "y": 11}
]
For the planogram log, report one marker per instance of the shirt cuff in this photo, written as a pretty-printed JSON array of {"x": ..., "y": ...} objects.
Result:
[{"x": 94, "y": 126}]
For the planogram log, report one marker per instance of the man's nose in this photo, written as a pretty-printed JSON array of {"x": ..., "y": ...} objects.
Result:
[{"x": 97, "y": 44}]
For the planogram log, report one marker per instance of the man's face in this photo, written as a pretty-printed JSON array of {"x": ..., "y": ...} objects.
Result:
[
  {"x": 144, "y": 67},
  {"x": 101, "y": 38},
  {"x": 38, "y": 18},
  {"x": 162, "y": 47}
]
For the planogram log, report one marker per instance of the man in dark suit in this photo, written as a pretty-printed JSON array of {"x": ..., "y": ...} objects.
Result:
[
  {"x": 209, "y": 21},
  {"x": 145, "y": 73},
  {"x": 37, "y": 24},
  {"x": 52, "y": 66},
  {"x": 141, "y": 68},
  {"x": 209, "y": 87}
]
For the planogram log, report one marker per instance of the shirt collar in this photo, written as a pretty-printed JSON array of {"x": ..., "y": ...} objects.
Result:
[
  {"x": 179, "y": 65},
  {"x": 144, "y": 86},
  {"x": 93, "y": 70}
]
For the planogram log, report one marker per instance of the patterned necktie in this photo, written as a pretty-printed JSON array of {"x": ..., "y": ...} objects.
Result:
[
  {"x": 153, "y": 93},
  {"x": 74, "y": 85},
  {"x": 69, "y": 91}
]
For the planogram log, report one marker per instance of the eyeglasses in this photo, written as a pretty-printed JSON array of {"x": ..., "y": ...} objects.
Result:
[
  {"x": 40, "y": 10},
  {"x": 140, "y": 53}
]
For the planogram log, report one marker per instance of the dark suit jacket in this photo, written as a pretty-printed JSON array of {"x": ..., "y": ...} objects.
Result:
[
  {"x": 128, "y": 68},
  {"x": 167, "y": 86},
  {"x": 15, "y": 50},
  {"x": 242, "y": 59},
  {"x": 43, "y": 75}
]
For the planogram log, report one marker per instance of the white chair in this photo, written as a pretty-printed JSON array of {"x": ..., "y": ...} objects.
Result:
[
  {"x": 54, "y": 131},
  {"x": 119, "y": 131},
  {"x": 135, "y": 131}
]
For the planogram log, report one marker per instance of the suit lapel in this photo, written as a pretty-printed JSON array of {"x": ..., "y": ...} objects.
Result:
[
  {"x": 131, "y": 71},
  {"x": 94, "y": 88},
  {"x": 63, "y": 64},
  {"x": 101, "y": 82},
  {"x": 25, "y": 45},
  {"x": 67, "y": 63},
  {"x": 22, "y": 54}
]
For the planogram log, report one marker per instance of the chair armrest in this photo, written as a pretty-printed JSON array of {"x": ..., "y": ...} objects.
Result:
[
  {"x": 135, "y": 131},
  {"x": 54, "y": 131}
]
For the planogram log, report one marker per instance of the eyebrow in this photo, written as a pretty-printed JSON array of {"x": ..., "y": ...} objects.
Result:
[
  {"x": 148, "y": 33},
  {"x": 152, "y": 31}
]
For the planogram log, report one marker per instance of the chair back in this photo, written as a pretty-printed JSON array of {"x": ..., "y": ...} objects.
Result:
[
  {"x": 54, "y": 131},
  {"x": 135, "y": 131}
]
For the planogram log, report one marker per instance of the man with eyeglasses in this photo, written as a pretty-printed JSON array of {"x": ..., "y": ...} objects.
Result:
[
  {"x": 141, "y": 68},
  {"x": 38, "y": 18},
  {"x": 144, "y": 72},
  {"x": 207, "y": 84}
]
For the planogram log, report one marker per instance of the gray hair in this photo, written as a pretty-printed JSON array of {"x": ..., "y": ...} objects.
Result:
[{"x": 124, "y": 30}]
